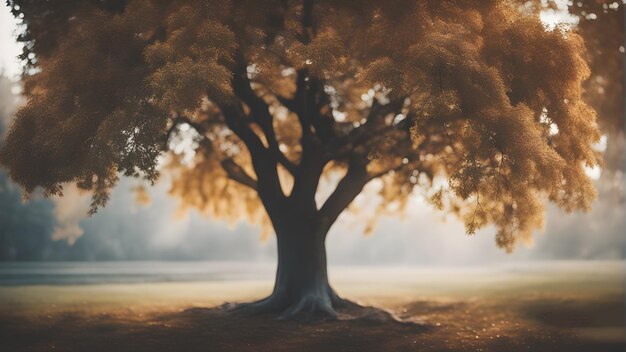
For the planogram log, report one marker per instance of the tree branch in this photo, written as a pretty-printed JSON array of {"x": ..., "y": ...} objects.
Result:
[
  {"x": 308, "y": 29},
  {"x": 374, "y": 126},
  {"x": 357, "y": 176},
  {"x": 260, "y": 114},
  {"x": 347, "y": 189},
  {"x": 264, "y": 164},
  {"x": 289, "y": 103},
  {"x": 237, "y": 173},
  {"x": 317, "y": 130}
]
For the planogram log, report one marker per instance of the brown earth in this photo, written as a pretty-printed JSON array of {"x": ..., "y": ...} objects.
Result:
[{"x": 532, "y": 310}]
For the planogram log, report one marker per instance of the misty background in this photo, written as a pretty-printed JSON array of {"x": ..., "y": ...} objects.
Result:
[{"x": 129, "y": 228}]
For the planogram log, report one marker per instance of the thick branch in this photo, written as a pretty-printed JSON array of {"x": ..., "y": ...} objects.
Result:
[
  {"x": 374, "y": 125},
  {"x": 347, "y": 189},
  {"x": 310, "y": 95},
  {"x": 236, "y": 120},
  {"x": 234, "y": 170},
  {"x": 317, "y": 130},
  {"x": 307, "y": 180},
  {"x": 237, "y": 173},
  {"x": 289, "y": 103},
  {"x": 357, "y": 176},
  {"x": 260, "y": 114},
  {"x": 308, "y": 29},
  {"x": 268, "y": 184}
]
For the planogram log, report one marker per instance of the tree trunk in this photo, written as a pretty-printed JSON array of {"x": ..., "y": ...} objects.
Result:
[
  {"x": 302, "y": 277},
  {"x": 301, "y": 286}
]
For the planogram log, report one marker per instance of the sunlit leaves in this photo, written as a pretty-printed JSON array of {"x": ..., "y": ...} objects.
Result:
[
  {"x": 454, "y": 99},
  {"x": 325, "y": 55},
  {"x": 384, "y": 72},
  {"x": 181, "y": 85}
]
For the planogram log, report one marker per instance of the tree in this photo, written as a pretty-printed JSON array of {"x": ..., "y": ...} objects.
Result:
[{"x": 472, "y": 103}]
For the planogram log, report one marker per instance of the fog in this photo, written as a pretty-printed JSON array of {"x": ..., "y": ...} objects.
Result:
[{"x": 125, "y": 230}]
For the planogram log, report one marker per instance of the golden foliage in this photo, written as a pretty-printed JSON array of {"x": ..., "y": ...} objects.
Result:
[{"x": 469, "y": 92}]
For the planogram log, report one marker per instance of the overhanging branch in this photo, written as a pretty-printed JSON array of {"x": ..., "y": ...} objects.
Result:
[
  {"x": 347, "y": 189},
  {"x": 289, "y": 103},
  {"x": 374, "y": 127},
  {"x": 264, "y": 164},
  {"x": 237, "y": 173},
  {"x": 260, "y": 114}
]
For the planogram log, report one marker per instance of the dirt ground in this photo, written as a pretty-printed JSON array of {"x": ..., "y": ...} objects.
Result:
[{"x": 577, "y": 307}]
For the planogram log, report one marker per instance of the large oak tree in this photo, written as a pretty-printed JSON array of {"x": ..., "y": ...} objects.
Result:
[{"x": 293, "y": 107}]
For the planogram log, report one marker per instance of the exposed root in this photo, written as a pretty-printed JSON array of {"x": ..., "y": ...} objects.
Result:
[
  {"x": 270, "y": 304},
  {"x": 320, "y": 308},
  {"x": 312, "y": 307},
  {"x": 309, "y": 307}
]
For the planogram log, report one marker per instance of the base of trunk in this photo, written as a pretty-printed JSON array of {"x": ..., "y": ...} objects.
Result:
[
  {"x": 314, "y": 304},
  {"x": 314, "y": 307},
  {"x": 301, "y": 288}
]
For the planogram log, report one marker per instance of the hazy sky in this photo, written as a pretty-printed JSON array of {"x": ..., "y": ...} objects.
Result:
[
  {"x": 126, "y": 230},
  {"x": 9, "y": 48}
]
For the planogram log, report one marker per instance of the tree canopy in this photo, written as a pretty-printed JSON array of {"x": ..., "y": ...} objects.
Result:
[
  {"x": 473, "y": 104},
  {"x": 601, "y": 24}
]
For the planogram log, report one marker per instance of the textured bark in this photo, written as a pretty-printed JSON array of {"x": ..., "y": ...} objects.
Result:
[
  {"x": 301, "y": 287},
  {"x": 302, "y": 276}
]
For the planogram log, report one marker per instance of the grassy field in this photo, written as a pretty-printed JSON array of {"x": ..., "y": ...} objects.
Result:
[{"x": 555, "y": 306}]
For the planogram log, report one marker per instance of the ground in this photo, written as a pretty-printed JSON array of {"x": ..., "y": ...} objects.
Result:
[{"x": 539, "y": 307}]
